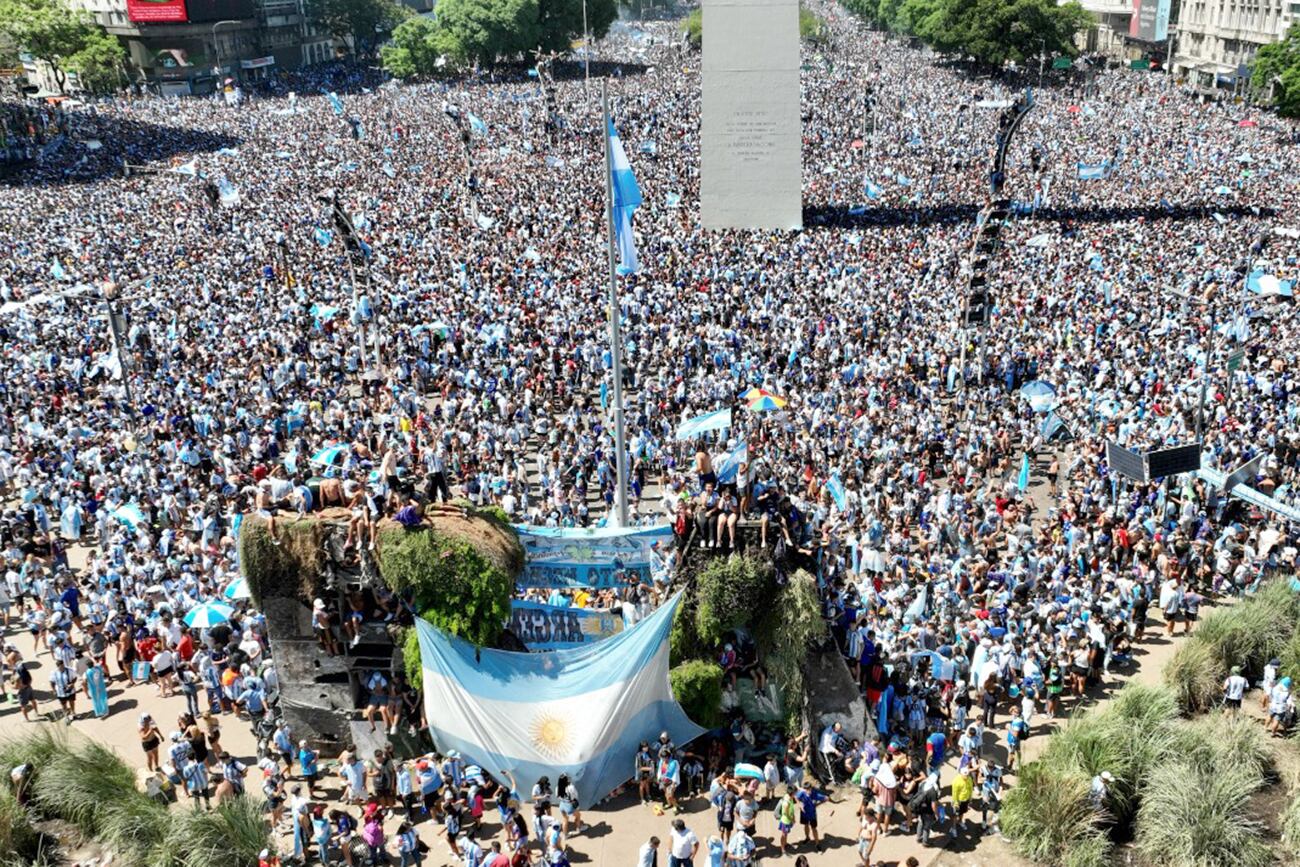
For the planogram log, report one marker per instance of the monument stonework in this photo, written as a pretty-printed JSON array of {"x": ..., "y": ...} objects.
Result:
[{"x": 750, "y": 155}]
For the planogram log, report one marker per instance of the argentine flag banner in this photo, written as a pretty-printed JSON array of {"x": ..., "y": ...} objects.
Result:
[
  {"x": 627, "y": 198},
  {"x": 579, "y": 711}
]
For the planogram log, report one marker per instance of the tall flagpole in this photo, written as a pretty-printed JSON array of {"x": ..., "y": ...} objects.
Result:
[{"x": 615, "y": 343}]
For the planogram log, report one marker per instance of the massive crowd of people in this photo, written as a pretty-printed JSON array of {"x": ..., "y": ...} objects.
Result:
[{"x": 477, "y": 365}]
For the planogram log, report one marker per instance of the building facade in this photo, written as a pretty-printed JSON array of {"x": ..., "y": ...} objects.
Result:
[
  {"x": 1109, "y": 35},
  {"x": 184, "y": 47},
  {"x": 1216, "y": 40}
]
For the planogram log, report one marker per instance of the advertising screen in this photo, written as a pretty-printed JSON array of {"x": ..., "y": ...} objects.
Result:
[
  {"x": 1150, "y": 21},
  {"x": 156, "y": 11},
  {"x": 202, "y": 11}
]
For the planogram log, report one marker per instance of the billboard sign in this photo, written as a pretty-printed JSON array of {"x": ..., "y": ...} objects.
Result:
[
  {"x": 156, "y": 11},
  {"x": 1150, "y": 21}
]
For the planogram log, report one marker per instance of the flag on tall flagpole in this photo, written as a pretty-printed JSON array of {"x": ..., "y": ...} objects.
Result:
[
  {"x": 627, "y": 198},
  {"x": 1023, "y": 482}
]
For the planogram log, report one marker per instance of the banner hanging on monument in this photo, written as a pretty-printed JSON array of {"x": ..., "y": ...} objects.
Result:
[{"x": 579, "y": 712}]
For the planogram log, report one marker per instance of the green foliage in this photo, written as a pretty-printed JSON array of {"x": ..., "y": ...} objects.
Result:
[
  {"x": 480, "y": 31},
  {"x": 453, "y": 585},
  {"x": 1218, "y": 741},
  {"x": 410, "y": 645},
  {"x": 64, "y": 38},
  {"x": 693, "y": 27},
  {"x": 991, "y": 31},
  {"x": 230, "y": 836},
  {"x": 789, "y": 626},
  {"x": 99, "y": 62},
  {"x": 289, "y": 570},
  {"x": 1195, "y": 674},
  {"x": 1291, "y": 827},
  {"x": 90, "y": 787},
  {"x": 560, "y": 21},
  {"x": 18, "y": 839},
  {"x": 811, "y": 27},
  {"x": 1245, "y": 634},
  {"x": 697, "y": 686},
  {"x": 683, "y": 640},
  {"x": 80, "y": 783},
  {"x": 413, "y": 49},
  {"x": 1196, "y": 815},
  {"x": 1277, "y": 68},
  {"x": 731, "y": 593},
  {"x": 1048, "y": 815},
  {"x": 1127, "y": 739},
  {"x": 357, "y": 22}
]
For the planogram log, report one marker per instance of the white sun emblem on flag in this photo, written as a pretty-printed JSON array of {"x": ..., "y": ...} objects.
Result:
[{"x": 551, "y": 735}]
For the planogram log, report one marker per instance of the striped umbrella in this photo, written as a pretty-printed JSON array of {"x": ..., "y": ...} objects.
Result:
[
  {"x": 766, "y": 402},
  {"x": 208, "y": 615},
  {"x": 238, "y": 589}
]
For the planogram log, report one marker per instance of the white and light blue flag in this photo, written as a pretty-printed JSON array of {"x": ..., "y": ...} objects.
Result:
[
  {"x": 627, "y": 198},
  {"x": 579, "y": 711},
  {"x": 836, "y": 488}
]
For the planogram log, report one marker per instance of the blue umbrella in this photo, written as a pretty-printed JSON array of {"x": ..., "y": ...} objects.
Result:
[
  {"x": 130, "y": 515},
  {"x": 238, "y": 589},
  {"x": 208, "y": 615},
  {"x": 1041, "y": 395},
  {"x": 328, "y": 455}
]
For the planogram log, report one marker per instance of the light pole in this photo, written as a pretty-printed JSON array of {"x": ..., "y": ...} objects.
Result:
[
  {"x": 216, "y": 46},
  {"x": 586, "y": 56}
]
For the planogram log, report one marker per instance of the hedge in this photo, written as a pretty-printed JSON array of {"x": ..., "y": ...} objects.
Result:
[
  {"x": 697, "y": 686},
  {"x": 451, "y": 583}
]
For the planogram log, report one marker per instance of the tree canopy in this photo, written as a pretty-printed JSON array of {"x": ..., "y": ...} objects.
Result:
[
  {"x": 1277, "y": 67},
  {"x": 65, "y": 39},
  {"x": 991, "y": 31},
  {"x": 357, "y": 22},
  {"x": 481, "y": 31}
]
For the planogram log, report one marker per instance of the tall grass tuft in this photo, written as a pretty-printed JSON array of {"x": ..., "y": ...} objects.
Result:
[
  {"x": 80, "y": 783},
  {"x": 1291, "y": 827},
  {"x": 1196, "y": 815},
  {"x": 18, "y": 839},
  {"x": 134, "y": 825},
  {"x": 1215, "y": 741},
  {"x": 230, "y": 836},
  {"x": 1050, "y": 820},
  {"x": 1195, "y": 675}
]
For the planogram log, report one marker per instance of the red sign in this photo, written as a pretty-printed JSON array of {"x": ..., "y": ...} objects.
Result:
[{"x": 156, "y": 11}]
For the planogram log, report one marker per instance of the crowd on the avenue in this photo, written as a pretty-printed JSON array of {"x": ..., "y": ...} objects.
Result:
[{"x": 252, "y": 375}]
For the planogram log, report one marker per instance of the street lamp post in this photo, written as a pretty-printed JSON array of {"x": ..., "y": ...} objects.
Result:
[{"x": 216, "y": 46}]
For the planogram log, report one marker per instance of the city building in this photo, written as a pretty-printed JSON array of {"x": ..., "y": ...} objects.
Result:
[
  {"x": 1216, "y": 40},
  {"x": 183, "y": 47},
  {"x": 1109, "y": 36}
]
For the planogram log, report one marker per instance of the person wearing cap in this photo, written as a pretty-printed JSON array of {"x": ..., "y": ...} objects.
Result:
[
  {"x": 963, "y": 790},
  {"x": 151, "y": 739},
  {"x": 1234, "y": 689},
  {"x": 307, "y": 758},
  {"x": 990, "y": 793},
  {"x": 64, "y": 684},
  {"x": 1271, "y": 669},
  {"x": 322, "y": 627}
]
